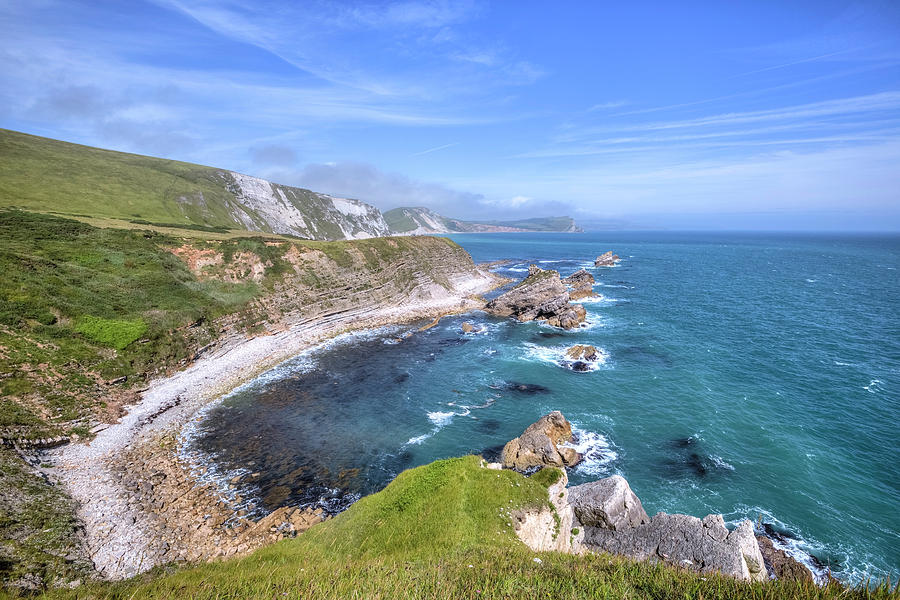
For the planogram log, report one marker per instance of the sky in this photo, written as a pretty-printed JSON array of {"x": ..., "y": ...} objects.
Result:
[{"x": 682, "y": 115}]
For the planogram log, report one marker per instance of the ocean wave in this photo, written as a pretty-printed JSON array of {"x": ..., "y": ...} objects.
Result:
[
  {"x": 811, "y": 280},
  {"x": 720, "y": 462},
  {"x": 875, "y": 386},
  {"x": 596, "y": 451},
  {"x": 599, "y": 298},
  {"x": 440, "y": 418},
  {"x": 843, "y": 364},
  {"x": 516, "y": 269}
]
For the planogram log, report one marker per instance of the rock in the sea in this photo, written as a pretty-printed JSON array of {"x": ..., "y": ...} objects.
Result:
[
  {"x": 608, "y": 503},
  {"x": 467, "y": 327},
  {"x": 781, "y": 564},
  {"x": 541, "y": 296},
  {"x": 539, "y": 445},
  {"x": 582, "y": 352},
  {"x": 581, "y": 284},
  {"x": 618, "y": 524},
  {"x": 607, "y": 259}
]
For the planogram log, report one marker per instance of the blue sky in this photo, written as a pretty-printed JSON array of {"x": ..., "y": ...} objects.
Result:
[{"x": 733, "y": 115}]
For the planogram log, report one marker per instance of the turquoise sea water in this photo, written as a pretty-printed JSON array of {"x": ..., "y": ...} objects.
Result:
[{"x": 752, "y": 375}]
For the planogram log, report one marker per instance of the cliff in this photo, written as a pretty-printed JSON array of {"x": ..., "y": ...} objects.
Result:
[
  {"x": 421, "y": 220},
  {"x": 47, "y": 175}
]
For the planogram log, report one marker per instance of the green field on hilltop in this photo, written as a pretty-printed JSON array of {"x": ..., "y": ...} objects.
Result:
[
  {"x": 47, "y": 175},
  {"x": 443, "y": 530}
]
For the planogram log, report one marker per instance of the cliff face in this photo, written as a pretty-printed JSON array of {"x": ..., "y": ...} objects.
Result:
[
  {"x": 261, "y": 205},
  {"x": 422, "y": 221}
]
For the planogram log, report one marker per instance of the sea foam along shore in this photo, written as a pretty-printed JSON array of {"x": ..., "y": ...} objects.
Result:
[{"x": 119, "y": 538}]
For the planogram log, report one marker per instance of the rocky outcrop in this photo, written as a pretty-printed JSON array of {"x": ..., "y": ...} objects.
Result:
[
  {"x": 608, "y": 503},
  {"x": 780, "y": 564},
  {"x": 541, "y": 296},
  {"x": 581, "y": 285},
  {"x": 582, "y": 352},
  {"x": 551, "y": 527},
  {"x": 615, "y": 522},
  {"x": 607, "y": 259},
  {"x": 538, "y": 445}
]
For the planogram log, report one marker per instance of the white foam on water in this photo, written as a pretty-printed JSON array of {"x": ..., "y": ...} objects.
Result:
[
  {"x": 599, "y": 298},
  {"x": 517, "y": 270},
  {"x": 720, "y": 462},
  {"x": 874, "y": 386},
  {"x": 843, "y": 364},
  {"x": 440, "y": 418},
  {"x": 596, "y": 451},
  {"x": 415, "y": 441},
  {"x": 811, "y": 280}
]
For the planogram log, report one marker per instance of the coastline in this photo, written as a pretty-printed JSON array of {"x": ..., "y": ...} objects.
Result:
[{"x": 118, "y": 478}]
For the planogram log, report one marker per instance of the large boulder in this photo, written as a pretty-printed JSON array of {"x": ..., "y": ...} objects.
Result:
[
  {"x": 608, "y": 503},
  {"x": 607, "y": 259},
  {"x": 538, "y": 445},
  {"x": 541, "y": 296},
  {"x": 581, "y": 284}
]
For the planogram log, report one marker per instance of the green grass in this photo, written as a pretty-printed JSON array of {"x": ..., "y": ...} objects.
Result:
[
  {"x": 439, "y": 531},
  {"x": 47, "y": 175},
  {"x": 115, "y": 333}
]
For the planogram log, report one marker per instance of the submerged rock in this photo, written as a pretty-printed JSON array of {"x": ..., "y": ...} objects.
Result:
[
  {"x": 607, "y": 259},
  {"x": 538, "y": 445},
  {"x": 581, "y": 284},
  {"x": 541, "y": 296}
]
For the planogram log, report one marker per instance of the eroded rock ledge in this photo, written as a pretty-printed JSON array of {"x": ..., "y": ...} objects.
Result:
[{"x": 607, "y": 516}]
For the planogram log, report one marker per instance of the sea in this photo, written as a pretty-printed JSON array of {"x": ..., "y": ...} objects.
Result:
[{"x": 756, "y": 375}]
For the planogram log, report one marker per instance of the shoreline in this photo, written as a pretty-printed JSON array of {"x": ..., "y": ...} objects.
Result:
[{"x": 122, "y": 525}]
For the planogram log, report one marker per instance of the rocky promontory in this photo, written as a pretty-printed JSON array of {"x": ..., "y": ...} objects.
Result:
[
  {"x": 540, "y": 297},
  {"x": 607, "y": 516}
]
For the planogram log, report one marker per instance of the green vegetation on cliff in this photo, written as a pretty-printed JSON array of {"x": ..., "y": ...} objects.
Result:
[
  {"x": 444, "y": 530},
  {"x": 404, "y": 219}
]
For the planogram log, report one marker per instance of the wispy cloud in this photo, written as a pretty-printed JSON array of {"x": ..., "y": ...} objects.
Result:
[{"x": 435, "y": 149}]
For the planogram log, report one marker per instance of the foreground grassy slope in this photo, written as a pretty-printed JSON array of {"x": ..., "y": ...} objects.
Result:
[{"x": 443, "y": 530}]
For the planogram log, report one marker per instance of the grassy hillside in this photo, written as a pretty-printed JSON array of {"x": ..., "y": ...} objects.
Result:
[
  {"x": 47, "y": 175},
  {"x": 443, "y": 530}
]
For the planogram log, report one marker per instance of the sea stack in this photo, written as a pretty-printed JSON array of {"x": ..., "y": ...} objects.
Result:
[
  {"x": 538, "y": 446},
  {"x": 607, "y": 259}
]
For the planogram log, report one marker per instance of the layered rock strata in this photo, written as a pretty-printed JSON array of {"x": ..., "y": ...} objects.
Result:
[
  {"x": 581, "y": 285},
  {"x": 542, "y": 297}
]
